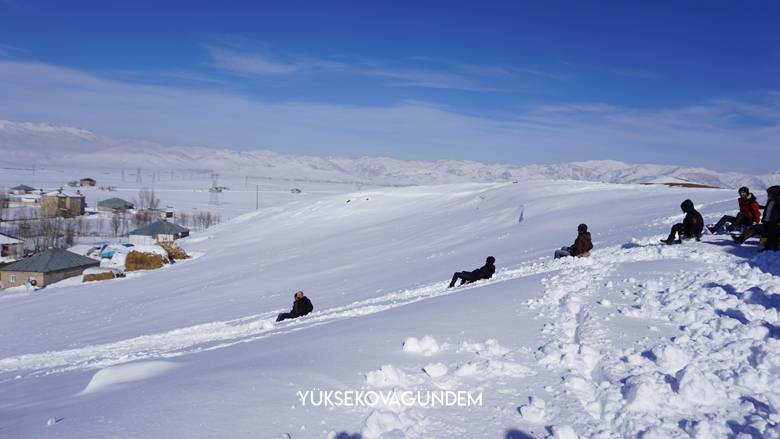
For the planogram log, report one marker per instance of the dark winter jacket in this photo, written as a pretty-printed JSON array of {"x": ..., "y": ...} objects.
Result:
[
  {"x": 772, "y": 209},
  {"x": 485, "y": 272},
  {"x": 693, "y": 224},
  {"x": 302, "y": 306},
  {"x": 582, "y": 244},
  {"x": 750, "y": 209}
]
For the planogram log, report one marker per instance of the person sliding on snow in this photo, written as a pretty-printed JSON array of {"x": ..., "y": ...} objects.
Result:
[
  {"x": 301, "y": 306},
  {"x": 748, "y": 215},
  {"x": 484, "y": 272},
  {"x": 581, "y": 247},
  {"x": 691, "y": 227},
  {"x": 769, "y": 222}
]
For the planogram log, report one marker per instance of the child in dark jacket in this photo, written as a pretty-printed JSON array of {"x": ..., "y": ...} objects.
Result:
[
  {"x": 484, "y": 272},
  {"x": 691, "y": 227},
  {"x": 581, "y": 247},
  {"x": 301, "y": 306}
]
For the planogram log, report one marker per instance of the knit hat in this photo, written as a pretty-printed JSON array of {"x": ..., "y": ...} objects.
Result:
[{"x": 582, "y": 228}]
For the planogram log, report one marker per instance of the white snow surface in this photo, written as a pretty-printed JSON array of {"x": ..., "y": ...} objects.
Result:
[{"x": 637, "y": 340}]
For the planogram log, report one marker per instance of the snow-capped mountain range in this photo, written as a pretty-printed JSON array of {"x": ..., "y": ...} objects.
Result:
[{"x": 41, "y": 144}]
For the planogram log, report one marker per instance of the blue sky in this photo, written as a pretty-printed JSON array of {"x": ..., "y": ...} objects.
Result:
[{"x": 514, "y": 82}]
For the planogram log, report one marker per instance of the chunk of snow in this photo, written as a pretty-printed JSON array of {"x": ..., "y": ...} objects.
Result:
[
  {"x": 435, "y": 370},
  {"x": 115, "y": 377},
  {"x": 426, "y": 345}
]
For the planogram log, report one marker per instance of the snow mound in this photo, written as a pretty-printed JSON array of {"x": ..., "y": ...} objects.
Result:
[
  {"x": 435, "y": 370},
  {"x": 116, "y": 377},
  {"x": 389, "y": 376},
  {"x": 426, "y": 345},
  {"x": 534, "y": 412}
]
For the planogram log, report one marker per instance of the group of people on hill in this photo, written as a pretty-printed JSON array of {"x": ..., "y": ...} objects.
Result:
[
  {"x": 581, "y": 247},
  {"x": 749, "y": 221}
]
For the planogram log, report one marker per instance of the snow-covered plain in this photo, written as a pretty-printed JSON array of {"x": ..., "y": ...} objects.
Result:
[
  {"x": 639, "y": 340},
  {"x": 24, "y": 144}
]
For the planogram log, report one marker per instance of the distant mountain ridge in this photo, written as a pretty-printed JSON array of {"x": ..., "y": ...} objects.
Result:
[{"x": 25, "y": 144}]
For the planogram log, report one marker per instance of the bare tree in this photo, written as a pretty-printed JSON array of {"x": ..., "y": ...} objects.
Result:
[
  {"x": 147, "y": 200},
  {"x": 48, "y": 232},
  {"x": 3, "y": 203},
  {"x": 142, "y": 218},
  {"x": 116, "y": 223},
  {"x": 184, "y": 219},
  {"x": 69, "y": 237}
]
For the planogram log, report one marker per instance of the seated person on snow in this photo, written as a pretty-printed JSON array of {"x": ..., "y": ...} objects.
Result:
[
  {"x": 581, "y": 247},
  {"x": 484, "y": 272},
  {"x": 691, "y": 227},
  {"x": 748, "y": 215},
  {"x": 301, "y": 306},
  {"x": 769, "y": 226}
]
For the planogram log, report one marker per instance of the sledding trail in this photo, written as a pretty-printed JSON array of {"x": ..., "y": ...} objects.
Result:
[
  {"x": 722, "y": 362},
  {"x": 221, "y": 334}
]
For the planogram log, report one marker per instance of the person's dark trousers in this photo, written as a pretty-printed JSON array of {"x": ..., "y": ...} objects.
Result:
[
  {"x": 464, "y": 276},
  {"x": 677, "y": 229},
  {"x": 771, "y": 232},
  {"x": 741, "y": 220},
  {"x": 284, "y": 316}
]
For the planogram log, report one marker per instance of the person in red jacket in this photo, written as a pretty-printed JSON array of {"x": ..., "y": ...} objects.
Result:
[{"x": 748, "y": 215}]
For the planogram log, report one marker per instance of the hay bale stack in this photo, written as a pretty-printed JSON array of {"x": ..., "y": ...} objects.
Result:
[
  {"x": 106, "y": 275},
  {"x": 137, "y": 260},
  {"x": 174, "y": 251},
  {"x": 97, "y": 274}
]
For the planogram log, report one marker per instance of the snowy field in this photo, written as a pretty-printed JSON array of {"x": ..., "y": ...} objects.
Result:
[{"x": 639, "y": 340}]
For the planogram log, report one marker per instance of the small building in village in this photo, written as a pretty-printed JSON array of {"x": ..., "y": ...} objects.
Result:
[
  {"x": 87, "y": 182},
  {"x": 63, "y": 204},
  {"x": 53, "y": 265},
  {"x": 115, "y": 205},
  {"x": 22, "y": 189},
  {"x": 159, "y": 231},
  {"x": 11, "y": 247}
]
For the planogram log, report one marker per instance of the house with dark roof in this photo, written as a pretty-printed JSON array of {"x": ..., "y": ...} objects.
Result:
[
  {"x": 115, "y": 205},
  {"x": 22, "y": 189},
  {"x": 159, "y": 231},
  {"x": 87, "y": 182},
  {"x": 53, "y": 265}
]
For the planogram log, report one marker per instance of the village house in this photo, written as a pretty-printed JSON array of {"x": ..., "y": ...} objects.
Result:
[
  {"x": 11, "y": 247},
  {"x": 87, "y": 182},
  {"x": 159, "y": 231},
  {"x": 53, "y": 265},
  {"x": 22, "y": 189},
  {"x": 62, "y": 204},
  {"x": 115, "y": 205}
]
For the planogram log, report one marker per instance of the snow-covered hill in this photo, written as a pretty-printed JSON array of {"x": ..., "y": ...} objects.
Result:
[
  {"x": 637, "y": 340},
  {"x": 28, "y": 144}
]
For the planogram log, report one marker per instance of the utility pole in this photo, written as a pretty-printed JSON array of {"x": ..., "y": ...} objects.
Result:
[{"x": 257, "y": 197}]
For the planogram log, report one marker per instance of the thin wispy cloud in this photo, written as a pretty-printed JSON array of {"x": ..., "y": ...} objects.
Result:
[
  {"x": 236, "y": 60},
  {"x": 7, "y": 49},
  {"x": 246, "y": 63},
  {"x": 699, "y": 134},
  {"x": 405, "y": 77}
]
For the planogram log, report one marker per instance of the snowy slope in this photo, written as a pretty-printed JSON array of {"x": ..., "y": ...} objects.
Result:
[
  {"x": 25, "y": 144},
  {"x": 639, "y": 339}
]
